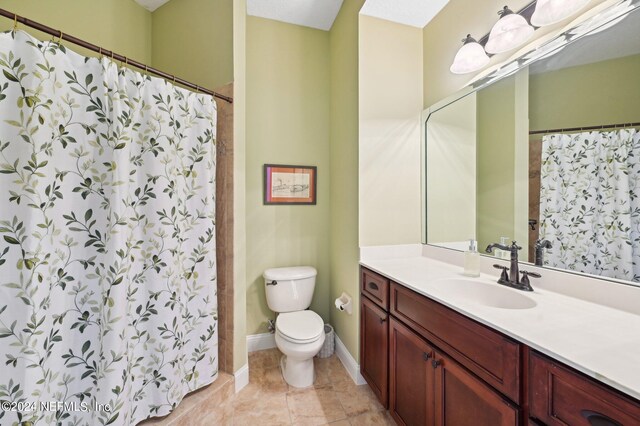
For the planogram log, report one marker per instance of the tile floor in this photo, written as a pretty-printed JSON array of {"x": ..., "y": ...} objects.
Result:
[
  {"x": 333, "y": 399},
  {"x": 268, "y": 400}
]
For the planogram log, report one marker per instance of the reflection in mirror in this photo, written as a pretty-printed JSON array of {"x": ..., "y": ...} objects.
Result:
[
  {"x": 451, "y": 162},
  {"x": 551, "y": 153}
]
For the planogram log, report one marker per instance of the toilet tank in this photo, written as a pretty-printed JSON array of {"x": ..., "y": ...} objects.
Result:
[{"x": 289, "y": 289}]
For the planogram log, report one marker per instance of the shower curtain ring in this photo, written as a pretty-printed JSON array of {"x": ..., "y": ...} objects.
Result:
[
  {"x": 60, "y": 38},
  {"x": 15, "y": 22}
]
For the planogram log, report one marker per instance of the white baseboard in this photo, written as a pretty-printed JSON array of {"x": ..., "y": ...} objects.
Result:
[
  {"x": 350, "y": 364},
  {"x": 258, "y": 342},
  {"x": 241, "y": 377}
]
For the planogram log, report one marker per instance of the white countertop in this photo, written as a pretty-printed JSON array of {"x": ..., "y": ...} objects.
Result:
[{"x": 601, "y": 341}]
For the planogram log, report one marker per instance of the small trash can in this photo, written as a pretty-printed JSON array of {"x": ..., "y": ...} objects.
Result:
[{"x": 329, "y": 344}]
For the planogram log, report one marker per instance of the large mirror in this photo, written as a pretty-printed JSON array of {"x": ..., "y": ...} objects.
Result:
[{"x": 549, "y": 152}]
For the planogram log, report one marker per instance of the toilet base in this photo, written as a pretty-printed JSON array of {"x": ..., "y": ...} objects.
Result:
[{"x": 298, "y": 373}]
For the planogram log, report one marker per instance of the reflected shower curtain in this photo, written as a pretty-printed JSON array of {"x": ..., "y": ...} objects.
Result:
[
  {"x": 589, "y": 202},
  {"x": 108, "y": 309}
]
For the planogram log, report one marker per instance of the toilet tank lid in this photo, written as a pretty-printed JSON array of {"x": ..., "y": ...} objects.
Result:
[{"x": 291, "y": 273}]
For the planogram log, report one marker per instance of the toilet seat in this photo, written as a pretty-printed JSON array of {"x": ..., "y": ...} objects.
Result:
[{"x": 300, "y": 326}]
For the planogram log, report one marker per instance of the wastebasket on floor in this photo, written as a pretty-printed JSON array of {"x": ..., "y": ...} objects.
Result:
[{"x": 329, "y": 344}]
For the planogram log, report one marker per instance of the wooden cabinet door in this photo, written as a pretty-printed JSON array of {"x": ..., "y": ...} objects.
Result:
[
  {"x": 461, "y": 399},
  {"x": 410, "y": 377},
  {"x": 374, "y": 345}
]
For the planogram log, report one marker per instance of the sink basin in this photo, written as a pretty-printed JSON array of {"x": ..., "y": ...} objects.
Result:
[{"x": 495, "y": 296}]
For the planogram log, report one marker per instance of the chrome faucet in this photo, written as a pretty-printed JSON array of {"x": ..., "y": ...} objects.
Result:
[{"x": 512, "y": 278}]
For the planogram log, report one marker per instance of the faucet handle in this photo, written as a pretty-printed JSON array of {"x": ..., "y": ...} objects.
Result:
[
  {"x": 526, "y": 285},
  {"x": 504, "y": 275},
  {"x": 514, "y": 245}
]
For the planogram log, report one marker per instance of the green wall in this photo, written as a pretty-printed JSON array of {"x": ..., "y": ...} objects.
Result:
[
  {"x": 194, "y": 40},
  {"x": 604, "y": 92},
  {"x": 119, "y": 25},
  {"x": 288, "y": 100},
  {"x": 344, "y": 171},
  {"x": 302, "y": 108}
]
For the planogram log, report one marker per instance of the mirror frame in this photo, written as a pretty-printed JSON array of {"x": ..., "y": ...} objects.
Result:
[{"x": 581, "y": 27}]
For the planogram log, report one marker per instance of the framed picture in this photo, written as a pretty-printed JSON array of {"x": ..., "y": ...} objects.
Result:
[{"x": 289, "y": 184}]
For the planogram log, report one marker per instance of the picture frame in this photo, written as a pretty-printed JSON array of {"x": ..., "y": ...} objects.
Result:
[{"x": 289, "y": 185}]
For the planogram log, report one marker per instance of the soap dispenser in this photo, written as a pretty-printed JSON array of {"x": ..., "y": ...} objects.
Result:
[{"x": 472, "y": 260}]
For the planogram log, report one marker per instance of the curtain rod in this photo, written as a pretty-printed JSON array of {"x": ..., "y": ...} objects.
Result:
[
  {"x": 71, "y": 39},
  {"x": 579, "y": 129}
]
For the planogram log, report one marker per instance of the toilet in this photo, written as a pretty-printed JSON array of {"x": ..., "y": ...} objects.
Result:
[{"x": 299, "y": 332}]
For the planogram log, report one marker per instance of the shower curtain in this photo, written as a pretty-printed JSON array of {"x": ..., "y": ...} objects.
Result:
[
  {"x": 589, "y": 202},
  {"x": 108, "y": 309}
]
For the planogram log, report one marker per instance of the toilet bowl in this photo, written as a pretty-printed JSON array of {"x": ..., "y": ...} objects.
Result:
[
  {"x": 299, "y": 332},
  {"x": 299, "y": 336}
]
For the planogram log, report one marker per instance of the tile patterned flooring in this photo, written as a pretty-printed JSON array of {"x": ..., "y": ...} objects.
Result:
[
  {"x": 333, "y": 399},
  {"x": 268, "y": 400}
]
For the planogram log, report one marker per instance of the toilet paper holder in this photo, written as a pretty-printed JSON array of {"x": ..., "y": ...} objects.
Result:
[{"x": 344, "y": 303}]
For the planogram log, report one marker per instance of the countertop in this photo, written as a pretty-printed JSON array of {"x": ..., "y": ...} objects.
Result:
[{"x": 601, "y": 341}]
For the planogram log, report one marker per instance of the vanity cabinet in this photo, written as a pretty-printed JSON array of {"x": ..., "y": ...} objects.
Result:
[
  {"x": 374, "y": 333},
  {"x": 432, "y": 365},
  {"x": 435, "y": 366},
  {"x": 427, "y": 387},
  {"x": 561, "y": 396}
]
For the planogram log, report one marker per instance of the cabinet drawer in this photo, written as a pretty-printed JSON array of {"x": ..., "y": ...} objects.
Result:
[
  {"x": 487, "y": 353},
  {"x": 560, "y": 396},
  {"x": 375, "y": 287}
]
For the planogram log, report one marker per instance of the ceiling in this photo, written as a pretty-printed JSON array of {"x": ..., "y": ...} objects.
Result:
[
  {"x": 416, "y": 13},
  {"x": 151, "y": 5},
  {"x": 318, "y": 14}
]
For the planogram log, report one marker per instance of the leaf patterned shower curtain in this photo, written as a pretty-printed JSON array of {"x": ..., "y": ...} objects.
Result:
[
  {"x": 108, "y": 308},
  {"x": 589, "y": 202}
]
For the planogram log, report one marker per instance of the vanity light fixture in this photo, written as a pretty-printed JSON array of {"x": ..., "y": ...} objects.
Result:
[
  {"x": 549, "y": 12},
  {"x": 471, "y": 57},
  {"x": 511, "y": 31}
]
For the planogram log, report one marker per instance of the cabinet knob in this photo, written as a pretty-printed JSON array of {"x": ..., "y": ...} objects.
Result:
[
  {"x": 382, "y": 320},
  {"x": 435, "y": 363},
  {"x": 426, "y": 356},
  {"x": 373, "y": 285}
]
